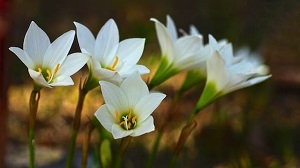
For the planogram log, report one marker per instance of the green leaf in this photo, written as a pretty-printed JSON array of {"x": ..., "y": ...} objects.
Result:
[{"x": 105, "y": 153}]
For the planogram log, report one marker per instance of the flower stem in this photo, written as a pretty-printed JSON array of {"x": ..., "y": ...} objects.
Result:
[
  {"x": 76, "y": 125},
  {"x": 88, "y": 131},
  {"x": 158, "y": 137},
  {"x": 124, "y": 145},
  {"x": 33, "y": 106}
]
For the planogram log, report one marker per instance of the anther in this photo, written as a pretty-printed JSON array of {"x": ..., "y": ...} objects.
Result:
[
  {"x": 49, "y": 74},
  {"x": 134, "y": 119},
  {"x": 39, "y": 69},
  {"x": 117, "y": 116},
  {"x": 56, "y": 68}
]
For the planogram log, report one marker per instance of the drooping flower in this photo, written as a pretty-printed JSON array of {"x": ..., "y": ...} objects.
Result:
[
  {"x": 48, "y": 63},
  {"x": 111, "y": 60},
  {"x": 226, "y": 73},
  {"x": 128, "y": 107},
  {"x": 178, "y": 53}
]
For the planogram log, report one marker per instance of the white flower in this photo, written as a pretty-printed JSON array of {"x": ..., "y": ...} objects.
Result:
[
  {"x": 48, "y": 63},
  {"x": 111, "y": 60},
  {"x": 226, "y": 73},
  {"x": 128, "y": 107},
  {"x": 178, "y": 53},
  {"x": 182, "y": 53}
]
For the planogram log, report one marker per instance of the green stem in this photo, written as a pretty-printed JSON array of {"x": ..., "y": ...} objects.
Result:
[
  {"x": 76, "y": 125},
  {"x": 85, "y": 147},
  {"x": 158, "y": 137},
  {"x": 124, "y": 145},
  {"x": 33, "y": 106}
]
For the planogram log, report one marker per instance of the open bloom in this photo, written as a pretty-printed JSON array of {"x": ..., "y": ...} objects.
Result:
[
  {"x": 128, "y": 107},
  {"x": 111, "y": 61},
  {"x": 226, "y": 73},
  {"x": 178, "y": 53},
  {"x": 48, "y": 63}
]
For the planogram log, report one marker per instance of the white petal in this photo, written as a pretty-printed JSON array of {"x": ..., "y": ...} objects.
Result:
[
  {"x": 119, "y": 132},
  {"x": 73, "y": 63},
  {"x": 59, "y": 49},
  {"x": 107, "y": 41},
  {"x": 144, "y": 127},
  {"x": 148, "y": 104},
  {"x": 187, "y": 46},
  {"x": 128, "y": 70},
  {"x": 165, "y": 40},
  {"x": 85, "y": 38},
  {"x": 36, "y": 43},
  {"x": 23, "y": 57},
  {"x": 130, "y": 50},
  {"x": 194, "y": 31},
  {"x": 134, "y": 88},
  {"x": 106, "y": 75},
  {"x": 38, "y": 78},
  {"x": 105, "y": 117},
  {"x": 114, "y": 96},
  {"x": 216, "y": 71},
  {"x": 62, "y": 80},
  {"x": 171, "y": 28}
]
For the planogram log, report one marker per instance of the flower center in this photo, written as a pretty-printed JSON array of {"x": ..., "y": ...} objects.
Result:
[
  {"x": 128, "y": 121},
  {"x": 112, "y": 68},
  {"x": 46, "y": 72}
]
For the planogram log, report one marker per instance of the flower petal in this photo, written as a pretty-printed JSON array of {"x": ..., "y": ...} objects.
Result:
[
  {"x": 216, "y": 71},
  {"x": 119, "y": 132},
  {"x": 38, "y": 78},
  {"x": 128, "y": 70},
  {"x": 165, "y": 40},
  {"x": 134, "y": 88},
  {"x": 171, "y": 28},
  {"x": 114, "y": 96},
  {"x": 62, "y": 80},
  {"x": 130, "y": 50},
  {"x": 73, "y": 63},
  {"x": 107, "y": 41},
  {"x": 36, "y": 43},
  {"x": 23, "y": 57},
  {"x": 105, "y": 117},
  {"x": 59, "y": 49},
  {"x": 145, "y": 127},
  {"x": 148, "y": 104},
  {"x": 85, "y": 38}
]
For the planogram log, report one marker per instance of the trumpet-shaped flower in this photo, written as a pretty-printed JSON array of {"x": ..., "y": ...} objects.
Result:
[
  {"x": 111, "y": 60},
  {"x": 128, "y": 107},
  {"x": 225, "y": 74},
  {"x": 48, "y": 63},
  {"x": 178, "y": 54}
]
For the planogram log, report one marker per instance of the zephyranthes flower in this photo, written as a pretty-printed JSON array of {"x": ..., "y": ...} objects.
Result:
[
  {"x": 226, "y": 73},
  {"x": 128, "y": 107},
  {"x": 111, "y": 61},
  {"x": 178, "y": 54},
  {"x": 48, "y": 63}
]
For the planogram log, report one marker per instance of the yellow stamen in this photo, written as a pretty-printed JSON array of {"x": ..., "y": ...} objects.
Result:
[
  {"x": 114, "y": 64},
  {"x": 39, "y": 69},
  {"x": 134, "y": 119},
  {"x": 129, "y": 115},
  {"x": 56, "y": 68},
  {"x": 49, "y": 74},
  {"x": 117, "y": 116},
  {"x": 129, "y": 125},
  {"x": 123, "y": 122}
]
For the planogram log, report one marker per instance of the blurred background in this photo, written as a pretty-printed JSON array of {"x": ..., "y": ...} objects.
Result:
[{"x": 254, "y": 127}]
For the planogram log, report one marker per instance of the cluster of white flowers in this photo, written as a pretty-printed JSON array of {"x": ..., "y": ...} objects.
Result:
[{"x": 129, "y": 103}]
